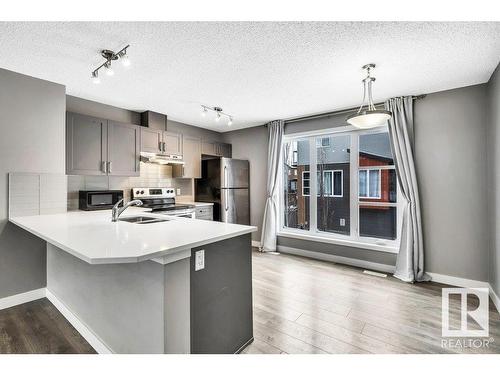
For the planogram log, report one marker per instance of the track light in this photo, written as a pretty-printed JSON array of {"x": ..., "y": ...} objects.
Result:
[
  {"x": 109, "y": 69},
  {"x": 110, "y": 56},
  {"x": 95, "y": 77},
  {"x": 218, "y": 114}
]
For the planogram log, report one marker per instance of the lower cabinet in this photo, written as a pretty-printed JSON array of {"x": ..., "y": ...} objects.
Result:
[{"x": 204, "y": 213}]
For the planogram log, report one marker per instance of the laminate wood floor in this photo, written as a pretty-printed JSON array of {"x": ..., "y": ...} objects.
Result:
[
  {"x": 301, "y": 305},
  {"x": 304, "y": 305},
  {"x": 37, "y": 327}
]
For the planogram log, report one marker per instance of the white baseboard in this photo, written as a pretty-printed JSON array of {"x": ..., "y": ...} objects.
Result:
[
  {"x": 82, "y": 329},
  {"x": 457, "y": 281},
  {"x": 338, "y": 259},
  {"x": 21, "y": 298},
  {"x": 256, "y": 244}
]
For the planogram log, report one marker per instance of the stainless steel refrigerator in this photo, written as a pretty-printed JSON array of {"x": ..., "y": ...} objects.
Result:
[{"x": 225, "y": 182}]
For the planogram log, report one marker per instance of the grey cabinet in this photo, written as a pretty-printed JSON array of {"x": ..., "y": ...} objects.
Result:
[
  {"x": 124, "y": 142},
  {"x": 160, "y": 142},
  {"x": 225, "y": 150},
  {"x": 204, "y": 212},
  {"x": 172, "y": 143},
  {"x": 86, "y": 145},
  {"x": 213, "y": 148},
  {"x": 100, "y": 147},
  {"x": 191, "y": 147},
  {"x": 151, "y": 140}
]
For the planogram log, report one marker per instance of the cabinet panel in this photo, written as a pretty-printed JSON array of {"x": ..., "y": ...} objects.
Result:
[
  {"x": 209, "y": 148},
  {"x": 151, "y": 140},
  {"x": 123, "y": 149},
  {"x": 173, "y": 143},
  {"x": 192, "y": 159},
  {"x": 86, "y": 146},
  {"x": 225, "y": 150}
]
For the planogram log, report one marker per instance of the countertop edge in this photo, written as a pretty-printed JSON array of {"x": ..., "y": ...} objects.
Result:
[{"x": 151, "y": 256}]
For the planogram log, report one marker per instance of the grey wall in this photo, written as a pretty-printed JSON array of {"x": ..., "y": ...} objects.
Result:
[
  {"x": 193, "y": 131},
  {"x": 251, "y": 144},
  {"x": 450, "y": 143},
  {"x": 91, "y": 108},
  {"x": 32, "y": 115},
  {"x": 493, "y": 173}
]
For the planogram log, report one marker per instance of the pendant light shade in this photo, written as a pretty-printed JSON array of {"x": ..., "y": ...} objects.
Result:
[{"x": 367, "y": 115}]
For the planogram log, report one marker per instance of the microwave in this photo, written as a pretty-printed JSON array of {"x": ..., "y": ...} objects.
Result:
[{"x": 90, "y": 200}]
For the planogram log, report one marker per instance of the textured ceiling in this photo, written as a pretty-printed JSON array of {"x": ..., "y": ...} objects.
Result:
[{"x": 255, "y": 71}]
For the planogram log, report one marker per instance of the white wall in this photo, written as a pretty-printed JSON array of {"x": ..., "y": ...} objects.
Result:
[{"x": 32, "y": 115}]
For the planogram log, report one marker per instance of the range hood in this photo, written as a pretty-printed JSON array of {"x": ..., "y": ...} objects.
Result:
[
  {"x": 158, "y": 121},
  {"x": 148, "y": 157}
]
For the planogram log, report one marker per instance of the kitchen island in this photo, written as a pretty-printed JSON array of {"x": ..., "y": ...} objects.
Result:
[{"x": 175, "y": 286}]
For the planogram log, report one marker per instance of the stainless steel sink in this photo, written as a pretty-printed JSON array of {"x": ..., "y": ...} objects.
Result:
[{"x": 143, "y": 219}]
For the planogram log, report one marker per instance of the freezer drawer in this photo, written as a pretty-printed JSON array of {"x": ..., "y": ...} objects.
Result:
[{"x": 235, "y": 206}]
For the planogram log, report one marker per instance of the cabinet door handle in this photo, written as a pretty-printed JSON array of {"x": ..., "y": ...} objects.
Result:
[
  {"x": 109, "y": 166},
  {"x": 164, "y": 148},
  {"x": 103, "y": 167},
  {"x": 160, "y": 145}
]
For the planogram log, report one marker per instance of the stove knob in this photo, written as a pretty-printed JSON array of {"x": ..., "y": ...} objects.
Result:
[
  {"x": 137, "y": 192},
  {"x": 142, "y": 191}
]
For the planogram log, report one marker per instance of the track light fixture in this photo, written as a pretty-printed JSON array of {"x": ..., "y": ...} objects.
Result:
[
  {"x": 218, "y": 114},
  {"x": 111, "y": 56}
]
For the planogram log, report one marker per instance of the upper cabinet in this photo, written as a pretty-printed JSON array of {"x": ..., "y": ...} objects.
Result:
[
  {"x": 100, "y": 147},
  {"x": 192, "y": 159},
  {"x": 151, "y": 140},
  {"x": 173, "y": 143},
  {"x": 160, "y": 142},
  {"x": 213, "y": 148},
  {"x": 86, "y": 145},
  {"x": 124, "y": 142}
]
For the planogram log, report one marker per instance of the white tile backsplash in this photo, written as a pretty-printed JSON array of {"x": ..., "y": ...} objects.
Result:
[{"x": 152, "y": 175}]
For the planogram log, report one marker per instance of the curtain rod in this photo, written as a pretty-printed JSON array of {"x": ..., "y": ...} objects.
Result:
[{"x": 326, "y": 114}]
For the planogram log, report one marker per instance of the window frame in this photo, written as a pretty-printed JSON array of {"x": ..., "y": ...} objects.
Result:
[{"x": 354, "y": 239}]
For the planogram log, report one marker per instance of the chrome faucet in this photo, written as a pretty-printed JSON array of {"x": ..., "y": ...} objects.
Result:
[{"x": 116, "y": 211}]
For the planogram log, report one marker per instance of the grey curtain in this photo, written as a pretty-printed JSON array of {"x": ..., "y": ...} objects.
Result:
[
  {"x": 410, "y": 260},
  {"x": 270, "y": 220}
]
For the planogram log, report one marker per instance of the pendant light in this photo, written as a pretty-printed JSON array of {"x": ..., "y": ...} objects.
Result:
[{"x": 368, "y": 116}]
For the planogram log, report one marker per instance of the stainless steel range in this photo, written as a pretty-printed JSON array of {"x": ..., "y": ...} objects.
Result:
[{"x": 162, "y": 201}]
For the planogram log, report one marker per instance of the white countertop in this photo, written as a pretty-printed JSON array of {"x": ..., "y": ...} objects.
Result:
[
  {"x": 94, "y": 238},
  {"x": 197, "y": 204}
]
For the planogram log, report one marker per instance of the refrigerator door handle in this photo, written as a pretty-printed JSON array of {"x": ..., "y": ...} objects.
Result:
[
  {"x": 225, "y": 177},
  {"x": 226, "y": 207}
]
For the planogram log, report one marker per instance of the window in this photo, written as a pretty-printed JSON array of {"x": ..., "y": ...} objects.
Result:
[
  {"x": 305, "y": 183},
  {"x": 369, "y": 183},
  {"x": 332, "y": 183},
  {"x": 352, "y": 176},
  {"x": 323, "y": 142}
]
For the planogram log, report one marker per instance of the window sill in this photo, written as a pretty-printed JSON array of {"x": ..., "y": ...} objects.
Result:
[{"x": 387, "y": 248}]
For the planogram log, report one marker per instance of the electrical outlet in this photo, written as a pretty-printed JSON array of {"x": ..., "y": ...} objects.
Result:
[
  {"x": 342, "y": 222},
  {"x": 199, "y": 260},
  {"x": 178, "y": 191}
]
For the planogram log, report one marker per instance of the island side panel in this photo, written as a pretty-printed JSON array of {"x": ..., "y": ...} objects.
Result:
[
  {"x": 122, "y": 304},
  {"x": 177, "y": 307},
  {"x": 221, "y": 297}
]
